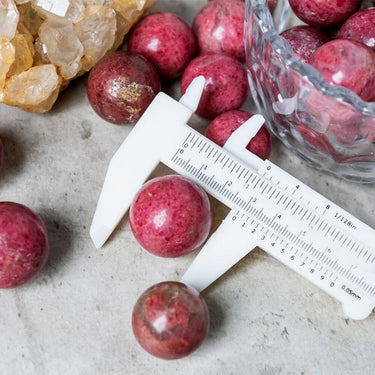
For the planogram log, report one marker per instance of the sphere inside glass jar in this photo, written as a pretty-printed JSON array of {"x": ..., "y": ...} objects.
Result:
[{"x": 330, "y": 127}]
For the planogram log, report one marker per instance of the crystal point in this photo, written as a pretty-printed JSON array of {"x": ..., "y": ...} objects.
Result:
[
  {"x": 9, "y": 17},
  {"x": 101, "y": 22}
]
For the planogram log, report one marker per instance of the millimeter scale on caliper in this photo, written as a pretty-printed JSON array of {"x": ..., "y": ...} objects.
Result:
[{"x": 269, "y": 208}]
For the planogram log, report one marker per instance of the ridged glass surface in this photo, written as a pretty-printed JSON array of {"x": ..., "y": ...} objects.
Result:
[{"x": 328, "y": 126}]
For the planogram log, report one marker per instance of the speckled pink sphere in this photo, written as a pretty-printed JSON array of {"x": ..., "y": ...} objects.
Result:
[
  {"x": 121, "y": 86},
  {"x": 166, "y": 41},
  {"x": 170, "y": 216},
  {"x": 360, "y": 27},
  {"x": 304, "y": 40},
  {"x": 219, "y": 27},
  {"x": 220, "y": 129},
  {"x": 347, "y": 63},
  {"x": 324, "y": 13},
  {"x": 24, "y": 244},
  {"x": 226, "y": 85},
  {"x": 170, "y": 320}
]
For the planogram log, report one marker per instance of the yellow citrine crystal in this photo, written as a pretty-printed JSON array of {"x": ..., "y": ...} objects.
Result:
[
  {"x": 34, "y": 90},
  {"x": 44, "y": 44}
]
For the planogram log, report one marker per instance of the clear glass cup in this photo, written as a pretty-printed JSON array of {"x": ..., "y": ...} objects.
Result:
[{"x": 329, "y": 127}]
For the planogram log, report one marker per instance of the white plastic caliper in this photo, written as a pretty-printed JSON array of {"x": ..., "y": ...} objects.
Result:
[{"x": 269, "y": 208}]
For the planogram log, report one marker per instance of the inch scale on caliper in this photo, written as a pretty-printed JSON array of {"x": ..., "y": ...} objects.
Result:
[{"x": 269, "y": 208}]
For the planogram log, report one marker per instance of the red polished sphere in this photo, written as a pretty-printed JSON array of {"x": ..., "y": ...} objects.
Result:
[
  {"x": 226, "y": 86},
  {"x": 218, "y": 27},
  {"x": 170, "y": 320},
  {"x": 324, "y": 13},
  {"x": 24, "y": 244},
  {"x": 121, "y": 86},
  {"x": 304, "y": 40},
  {"x": 220, "y": 129},
  {"x": 360, "y": 27},
  {"x": 170, "y": 216},
  {"x": 166, "y": 41},
  {"x": 344, "y": 62}
]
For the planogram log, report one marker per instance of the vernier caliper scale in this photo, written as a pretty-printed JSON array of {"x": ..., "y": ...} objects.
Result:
[{"x": 268, "y": 207}]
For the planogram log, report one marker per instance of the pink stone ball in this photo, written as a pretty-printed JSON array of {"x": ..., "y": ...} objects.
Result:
[
  {"x": 347, "y": 63},
  {"x": 324, "y": 13},
  {"x": 334, "y": 116},
  {"x": 304, "y": 40},
  {"x": 360, "y": 27},
  {"x": 166, "y": 41},
  {"x": 170, "y": 320},
  {"x": 121, "y": 86},
  {"x": 220, "y": 129},
  {"x": 226, "y": 86},
  {"x": 219, "y": 27},
  {"x": 170, "y": 216},
  {"x": 24, "y": 244}
]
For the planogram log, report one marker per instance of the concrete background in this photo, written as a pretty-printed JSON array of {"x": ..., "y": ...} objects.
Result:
[{"x": 75, "y": 316}]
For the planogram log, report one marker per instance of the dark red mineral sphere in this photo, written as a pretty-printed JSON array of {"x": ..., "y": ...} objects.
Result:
[
  {"x": 24, "y": 244},
  {"x": 166, "y": 40},
  {"x": 304, "y": 40},
  {"x": 219, "y": 27},
  {"x": 344, "y": 62},
  {"x": 170, "y": 216},
  {"x": 226, "y": 85},
  {"x": 220, "y": 129},
  {"x": 170, "y": 320},
  {"x": 324, "y": 13},
  {"x": 360, "y": 27},
  {"x": 121, "y": 86}
]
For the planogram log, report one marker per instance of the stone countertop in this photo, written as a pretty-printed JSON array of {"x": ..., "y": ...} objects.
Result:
[{"x": 75, "y": 316}]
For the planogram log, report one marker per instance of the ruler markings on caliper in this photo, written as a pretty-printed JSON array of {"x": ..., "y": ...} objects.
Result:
[
  {"x": 266, "y": 189},
  {"x": 268, "y": 207}
]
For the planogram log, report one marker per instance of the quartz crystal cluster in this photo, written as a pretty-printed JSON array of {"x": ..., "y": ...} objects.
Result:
[{"x": 46, "y": 43}]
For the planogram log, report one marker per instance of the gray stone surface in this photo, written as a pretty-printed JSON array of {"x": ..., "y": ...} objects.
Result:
[{"x": 75, "y": 316}]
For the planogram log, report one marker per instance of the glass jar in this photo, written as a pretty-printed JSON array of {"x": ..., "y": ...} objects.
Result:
[{"x": 329, "y": 127}]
